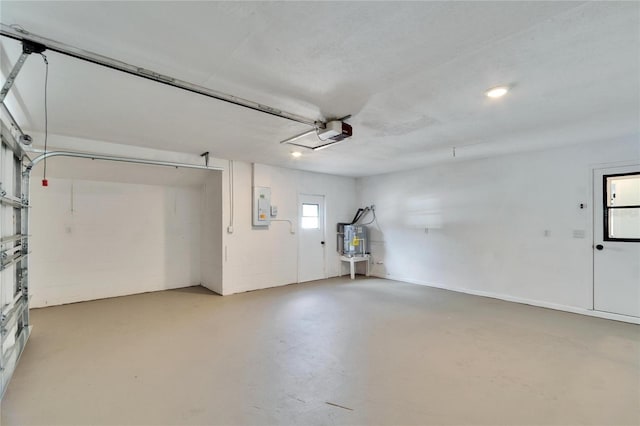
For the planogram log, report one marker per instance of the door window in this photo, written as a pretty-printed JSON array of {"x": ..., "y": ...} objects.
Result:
[
  {"x": 622, "y": 207},
  {"x": 310, "y": 216}
]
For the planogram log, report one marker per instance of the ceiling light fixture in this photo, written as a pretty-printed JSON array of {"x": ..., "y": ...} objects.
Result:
[
  {"x": 296, "y": 154},
  {"x": 497, "y": 92}
]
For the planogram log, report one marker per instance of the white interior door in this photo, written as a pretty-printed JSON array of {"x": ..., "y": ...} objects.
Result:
[
  {"x": 616, "y": 246},
  {"x": 311, "y": 238}
]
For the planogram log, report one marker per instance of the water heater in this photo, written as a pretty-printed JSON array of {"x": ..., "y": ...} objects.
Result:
[{"x": 353, "y": 240}]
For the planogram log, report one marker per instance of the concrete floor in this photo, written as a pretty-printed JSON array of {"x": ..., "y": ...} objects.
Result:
[{"x": 359, "y": 352}]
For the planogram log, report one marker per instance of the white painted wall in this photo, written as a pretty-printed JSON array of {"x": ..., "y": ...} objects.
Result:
[
  {"x": 114, "y": 201},
  {"x": 211, "y": 236},
  {"x": 261, "y": 258},
  {"x": 134, "y": 228},
  {"x": 93, "y": 239},
  {"x": 487, "y": 221}
]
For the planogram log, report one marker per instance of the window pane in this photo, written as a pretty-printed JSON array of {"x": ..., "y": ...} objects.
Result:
[
  {"x": 624, "y": 223},
  {"x": 623, "y": 191},
  {"x": 310, "y": 210},
  {"x": 309, "y": 223}
]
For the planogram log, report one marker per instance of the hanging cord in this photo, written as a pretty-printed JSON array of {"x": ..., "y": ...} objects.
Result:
[
  {"x": 362, "y": 213},
  {"x": 46, "y": 117},
  {"x": 374, "y": 220}
]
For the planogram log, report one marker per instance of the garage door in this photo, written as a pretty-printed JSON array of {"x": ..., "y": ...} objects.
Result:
[{"x": 14, "y": 222}]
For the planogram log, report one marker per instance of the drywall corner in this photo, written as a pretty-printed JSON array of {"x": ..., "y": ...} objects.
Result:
[{"x": 211, "y": 241}]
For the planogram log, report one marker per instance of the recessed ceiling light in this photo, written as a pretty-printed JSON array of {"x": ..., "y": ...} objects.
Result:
[
  {"x": 296, "y": 154},
  {"x": 497, "y": 92}
]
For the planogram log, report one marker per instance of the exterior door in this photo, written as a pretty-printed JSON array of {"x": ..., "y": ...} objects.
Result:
[
  {"x": 311, "y": 238},
  {"x": 616, "y": 245}
]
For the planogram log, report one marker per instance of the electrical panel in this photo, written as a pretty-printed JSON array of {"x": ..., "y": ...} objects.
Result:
[{"x": 261, "y": 206}]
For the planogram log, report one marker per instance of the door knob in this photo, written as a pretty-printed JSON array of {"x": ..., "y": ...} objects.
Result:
[
  {"x": 322, "y": 242},
  {"x": 599, "y": 247}
]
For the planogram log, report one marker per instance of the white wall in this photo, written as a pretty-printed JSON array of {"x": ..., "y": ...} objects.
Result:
[
  {"x": 119, "y": 200},
  {"x": 261, "y": 258},
  {"x": 94, "y": 239},
  {"x": 136, "y": 229},
  {"x": 211, "y": 239},
  {"x": 247, "y": 259},
  {"x": 502, "y": 226},
  {"x": 86, "y": 254}
]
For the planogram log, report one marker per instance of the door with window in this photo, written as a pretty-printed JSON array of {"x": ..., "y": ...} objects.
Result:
[
  {"x": 311, "y": 238},
  {"x": 616, "y": 246}
]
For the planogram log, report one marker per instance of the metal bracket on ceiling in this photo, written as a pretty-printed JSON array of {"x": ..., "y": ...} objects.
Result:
[
  {"x": 206, "y": 158},
  {"x": 28, "y": 47},
  {"x": 12, "y": 76},
  {"x": 299, "y": 136}
]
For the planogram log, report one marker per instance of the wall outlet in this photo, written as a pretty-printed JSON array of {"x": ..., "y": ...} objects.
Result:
[{"x": 230, "y": 229}]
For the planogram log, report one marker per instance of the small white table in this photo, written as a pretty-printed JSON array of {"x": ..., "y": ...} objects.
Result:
[{"x": 352, "y": 261}]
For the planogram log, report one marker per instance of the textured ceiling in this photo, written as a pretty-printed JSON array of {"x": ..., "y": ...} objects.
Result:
[{"x": 412, "y": 75}]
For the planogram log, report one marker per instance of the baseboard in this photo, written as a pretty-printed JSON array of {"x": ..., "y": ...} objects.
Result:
[
  {"x": 532, "y": 302},
  {"x": 247, "y": 289},
  {"x": 56, "y": 300}
]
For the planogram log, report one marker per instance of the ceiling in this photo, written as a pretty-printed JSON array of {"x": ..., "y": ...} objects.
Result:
[{"x": 412, "y": 75}]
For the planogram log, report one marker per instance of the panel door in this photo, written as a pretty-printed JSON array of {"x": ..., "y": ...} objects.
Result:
[
  {"x": 616, "y": 246},
  {"x": 311, "y": 238}
]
